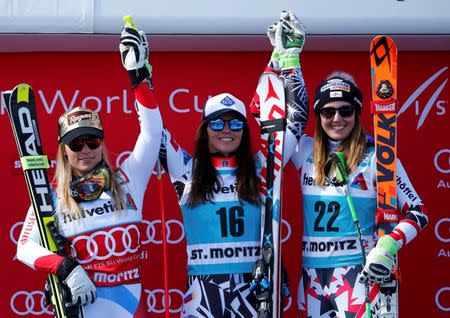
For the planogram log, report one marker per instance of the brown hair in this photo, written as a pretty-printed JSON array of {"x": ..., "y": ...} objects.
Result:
[
  {"x": 353, "y": 146},
  {"x": 205, "y": 177}
]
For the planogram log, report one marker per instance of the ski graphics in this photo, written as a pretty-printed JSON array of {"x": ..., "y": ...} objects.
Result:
[
  {"x": 268, "y": 269},
  {"x": 383, "y": 64},
  {"x": 22, "y": 113}
]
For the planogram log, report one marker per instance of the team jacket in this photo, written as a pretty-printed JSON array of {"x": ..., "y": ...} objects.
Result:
[
  {"x": 223, "y": 235},
  {"x": 104, "y": 241},
  {"x": 329, "y": 238}
]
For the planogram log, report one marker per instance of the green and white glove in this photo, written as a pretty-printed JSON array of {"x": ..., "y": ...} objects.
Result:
[
  {"x": 134, "y": 53},
  {"x": 289, "y": 40},
  {"x": 380, "y": 261}
]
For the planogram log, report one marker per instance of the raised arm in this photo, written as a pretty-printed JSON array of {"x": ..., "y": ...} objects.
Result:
[
  {"x": 134, "y": 53},
  {"x": 287, "y": 37}
]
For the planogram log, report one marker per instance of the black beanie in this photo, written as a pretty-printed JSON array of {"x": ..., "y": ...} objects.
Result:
[{"x": 337, "y": 89}]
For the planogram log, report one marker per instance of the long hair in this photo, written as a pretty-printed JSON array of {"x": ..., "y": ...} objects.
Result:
[
  {"x": 63, "y": 176},
  {"x": 353, "y": 146},
  {"x": 205, "y": 177}
]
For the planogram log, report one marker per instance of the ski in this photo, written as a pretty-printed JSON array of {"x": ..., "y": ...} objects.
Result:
[
  {"x": 22, "y": 113},
  {"x": 383, "y": 63},
  {"x": 267, "y": 273}
]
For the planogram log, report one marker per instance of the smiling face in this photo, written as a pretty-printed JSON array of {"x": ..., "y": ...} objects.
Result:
[
  {"x": 226, "y": 140},
  {"x": 337, "y": 127},
  {"x": 84, "y": 161}
]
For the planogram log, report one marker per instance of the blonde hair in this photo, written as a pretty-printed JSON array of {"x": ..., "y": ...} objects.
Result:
[{"x": 63, "y": 177}]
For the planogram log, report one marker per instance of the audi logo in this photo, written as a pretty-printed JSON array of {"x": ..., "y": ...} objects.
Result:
[
  {"x": 156, "y": 300},
  {"x": 29, "y": 303},
  {"x": 442, "y": 161},
  {"x": 446, "y": 231},
  {"x": 101, "y": 245},
  {"x": 438, "y": 297},
  {"x": 174, "y": 232}
]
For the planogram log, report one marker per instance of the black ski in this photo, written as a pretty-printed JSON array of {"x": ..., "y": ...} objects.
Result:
[{"x": 22, "y": 114}]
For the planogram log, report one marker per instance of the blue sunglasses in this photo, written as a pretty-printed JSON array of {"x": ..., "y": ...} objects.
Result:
[{"x": 219, "y": 124}]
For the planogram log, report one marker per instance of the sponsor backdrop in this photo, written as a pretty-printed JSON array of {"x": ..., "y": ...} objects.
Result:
[{"x": 183, "y": 83}]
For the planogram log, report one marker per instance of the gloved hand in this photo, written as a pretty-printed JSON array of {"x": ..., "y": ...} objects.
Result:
[
  {"x": 134, "y": 52},
  {"x": 289, "y": 40},
  {"x": 81, "y": 288},
  {"x": 380, "y": 261},
  {"x": 275, "y": 58}
]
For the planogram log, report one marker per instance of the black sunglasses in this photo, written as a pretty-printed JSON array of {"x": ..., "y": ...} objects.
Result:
[
  {"x": 219, "y": 124},
  {"x": 93, "y": 142},
  {"x": 344, "y": 111}
]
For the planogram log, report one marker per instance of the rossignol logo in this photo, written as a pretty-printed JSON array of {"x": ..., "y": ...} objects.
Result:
[
  {"x": 434, "y": 103},
  {"x": 79, "y": 116}
]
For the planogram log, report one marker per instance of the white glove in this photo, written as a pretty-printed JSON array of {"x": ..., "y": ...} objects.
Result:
[
  {"x": 81, "y": 287},
  {"x": 134, "y": 53},
  {"x": 380, "y": 261},
  {"x": 275, "y": 57},
  {"x": 133, "y": 48},
  {"x": 289, "y": 40},
  {"x": 271, "y": 33},
  {"x": 82, "y": 290}
]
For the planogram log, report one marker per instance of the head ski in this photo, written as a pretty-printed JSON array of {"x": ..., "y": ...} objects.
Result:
[{"x": 22, "y": 113}]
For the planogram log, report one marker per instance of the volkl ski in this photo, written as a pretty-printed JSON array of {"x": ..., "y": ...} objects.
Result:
[
  {"x": 22, "y": 113},
  {"x": 383, "y": 63}
]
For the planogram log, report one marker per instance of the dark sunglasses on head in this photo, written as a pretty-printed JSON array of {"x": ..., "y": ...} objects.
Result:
[
  {"x": 219, "y": 124},
  {"x": 93, "y": 142},
  {"x": 344, "y": 111}
]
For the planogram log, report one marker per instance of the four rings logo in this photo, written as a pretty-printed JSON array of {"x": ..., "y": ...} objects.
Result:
[
  {"x": 440, "y": 104},
  {"x": 156, "y": 300},
  {"x": 174, "y": 232},
  {"x": 29, "y": 303},
  {"x": 101, "y": 245}
]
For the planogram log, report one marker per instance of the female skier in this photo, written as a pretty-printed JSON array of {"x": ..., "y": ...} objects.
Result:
[
  {"x": 99, "y": 209},
  {"x": 218, "y": 188},
  {"x": 333, "y": 274}
]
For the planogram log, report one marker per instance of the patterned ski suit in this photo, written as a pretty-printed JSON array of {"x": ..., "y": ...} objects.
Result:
[
  {"x": 223, "y": 235},
  {"x": 332, "y": 257}
]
